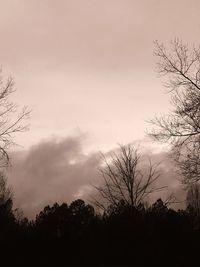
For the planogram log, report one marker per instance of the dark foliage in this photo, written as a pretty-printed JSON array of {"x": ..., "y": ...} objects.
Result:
[{"x": 74, "y": 235}]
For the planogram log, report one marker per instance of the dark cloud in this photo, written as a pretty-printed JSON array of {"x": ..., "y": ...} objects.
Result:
[
  {"x": 54, "y": 170},
  {"x": 58, "y": 170}
]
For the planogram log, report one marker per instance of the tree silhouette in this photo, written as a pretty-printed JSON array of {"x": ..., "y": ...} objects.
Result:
[
  {"x": 79, "y": 208},
  {"x": 73, "y": 235},
  {"x": 6, "y": 202},
  {"x": 193, "y": 203},
  {"x": 11, "y": 119},
  {"x": 125, "y": 181},
  {"x": 181, "y": 128}
]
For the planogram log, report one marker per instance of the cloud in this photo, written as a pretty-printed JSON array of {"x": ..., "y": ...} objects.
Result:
[
  {"x": 53, "y": 170},
  {"x": 169, "y": 177},
  {"x": 58, "y": 170}
]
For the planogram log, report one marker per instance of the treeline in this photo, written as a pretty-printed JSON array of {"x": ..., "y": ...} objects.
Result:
[{"x": 75, "y": 235}]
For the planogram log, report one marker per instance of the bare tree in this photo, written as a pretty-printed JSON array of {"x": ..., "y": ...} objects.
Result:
[
  {"x": 11, "y": 119},
  {"x": 6, "y": 198},
  {"x": 5, "y": 191},
  {"x": 181, "y": 127},
  {"x": 124, "y": 180},
  {"x": 193, "y": 198}
]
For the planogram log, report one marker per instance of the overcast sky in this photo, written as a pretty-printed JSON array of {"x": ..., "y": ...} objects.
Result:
[
  {"x": 86, "y": 67},
  {"x": 58, "y": 170}
]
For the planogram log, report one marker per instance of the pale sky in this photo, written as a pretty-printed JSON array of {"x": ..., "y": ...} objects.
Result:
[{"x": 88, "y": 66}]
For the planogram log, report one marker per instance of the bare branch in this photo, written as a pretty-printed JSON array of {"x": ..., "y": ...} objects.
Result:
[
  {"x": 123, "y": 180},
  {"x": 12, "y": 120},
  {"x": 181, "y": 128}
]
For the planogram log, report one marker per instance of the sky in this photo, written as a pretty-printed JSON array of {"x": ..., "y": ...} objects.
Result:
[
  {"x": 86, "y": 68},
  {"x": 59, "y": 170}
]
